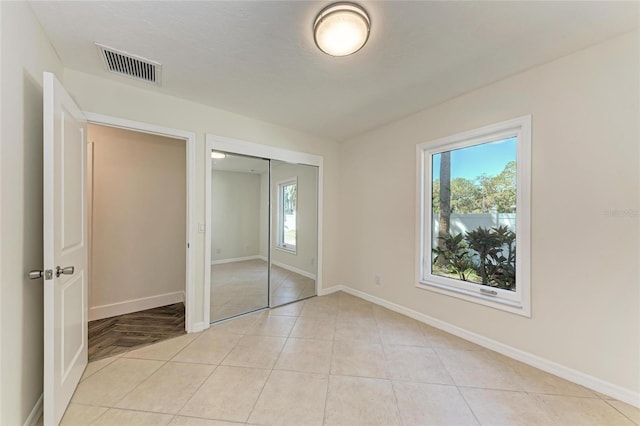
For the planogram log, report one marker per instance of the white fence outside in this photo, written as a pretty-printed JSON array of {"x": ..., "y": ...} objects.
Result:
[{"x": 463, "y": 223}]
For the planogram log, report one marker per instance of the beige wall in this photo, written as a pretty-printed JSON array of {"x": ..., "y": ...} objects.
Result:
[
  {"x": 235, "y": 215},
  {"x": 585, "y": 160},
  {"x": 106, "y": 97},
  {"x": 139, "y": 220},
  {"x": 25, "y": 54},
  {"x": 307, "y": 218}
]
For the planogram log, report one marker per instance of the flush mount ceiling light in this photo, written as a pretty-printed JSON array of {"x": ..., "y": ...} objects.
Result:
[
  {"x": 341, "y": 29},
  {"x": 215, "y": 154}
]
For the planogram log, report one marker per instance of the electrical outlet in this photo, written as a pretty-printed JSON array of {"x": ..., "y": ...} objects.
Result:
[
  {"x": 218, "y": 251},
  {"x": 377, "y": 279}
]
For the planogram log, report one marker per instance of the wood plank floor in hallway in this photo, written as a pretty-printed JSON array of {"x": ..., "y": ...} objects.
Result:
[{"x": 115, "y": 335}]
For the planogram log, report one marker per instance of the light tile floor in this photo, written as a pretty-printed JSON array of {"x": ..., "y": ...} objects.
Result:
[
  {"x": 240, "y": 287},
  {"x": 331, "y": 360}
]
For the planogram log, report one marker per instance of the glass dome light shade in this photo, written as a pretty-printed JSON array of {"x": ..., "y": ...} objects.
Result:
[{"x": 341, "y": 29}]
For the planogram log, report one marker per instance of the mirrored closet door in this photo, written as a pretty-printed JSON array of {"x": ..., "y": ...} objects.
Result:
[
  {"x": 263, "y": 227},
  {"x": 294, "y": 231},
  {"x": 239, "y": 235}
]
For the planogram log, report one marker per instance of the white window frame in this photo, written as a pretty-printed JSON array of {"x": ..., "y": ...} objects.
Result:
[
  {"x": 518, "y": 301},
  {"x": 280, "y": 244}
]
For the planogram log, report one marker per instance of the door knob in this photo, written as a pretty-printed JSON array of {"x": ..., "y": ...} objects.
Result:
[{"x": 69, "y": 270}]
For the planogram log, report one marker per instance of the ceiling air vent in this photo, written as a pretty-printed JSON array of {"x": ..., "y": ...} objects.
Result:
[{"x": 133, "y": 66}]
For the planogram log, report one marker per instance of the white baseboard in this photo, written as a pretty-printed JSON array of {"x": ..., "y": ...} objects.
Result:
[
  {"x": 273, "y": 262},
  {"x": 333, "y": 289},
  {"x": 35, "y": 413},
  {"x": 586, "y": 380},
  {"x": 234, "y": 259},
  {"x": 135, "y": 305},
  {"x": 293, "y": 269}
]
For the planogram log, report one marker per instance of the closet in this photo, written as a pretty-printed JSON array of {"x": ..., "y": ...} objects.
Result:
[{"x": 263, "y": 232}]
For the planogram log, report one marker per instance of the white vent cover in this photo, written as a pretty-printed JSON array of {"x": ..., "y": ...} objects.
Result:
[{"x": 133, "y": 66}]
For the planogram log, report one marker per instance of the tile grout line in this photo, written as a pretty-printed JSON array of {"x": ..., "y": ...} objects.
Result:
[
  {"x": 231, "y": 350},
  {"x": 117, "y": 357},
  {"x": 139, "y": 384},
  {"x": 203, "y": 382},
  {"x": 393, "y": 388},
  {"x": 534, "y": 393},
  {"x": 213, "y": 371},
  {"x": 94, "y": 420},
  {"x": 268, "y": 377},
  {"x": 326, "y": 396},
  {"x": 126, "y": 409},
  {"x": 333, "y": 348},
  {"x": 197, "y": 389},
  {"x": 444, "y": 367},
  {"x": 608, "y": 402},
  {"x": 165, "y": 362},
  {"x": 475, "y": 416}
]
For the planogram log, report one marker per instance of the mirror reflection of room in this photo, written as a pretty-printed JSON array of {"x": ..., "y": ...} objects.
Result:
[
  {"x": 264, "y": 233},
  {"x": 294, "y": 230},
  {"x": 239, "y": 235}
]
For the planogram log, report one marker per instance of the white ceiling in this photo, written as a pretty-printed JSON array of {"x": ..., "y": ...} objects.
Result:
[{"x": 258, "y": 59}]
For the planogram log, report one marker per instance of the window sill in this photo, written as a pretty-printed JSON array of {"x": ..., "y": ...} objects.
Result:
[
  {"x": 286, "y": 250},
  {"x": 511, "y": 306}
]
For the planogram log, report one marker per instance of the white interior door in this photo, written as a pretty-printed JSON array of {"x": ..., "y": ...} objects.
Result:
[{"x": 65, "y": 248}]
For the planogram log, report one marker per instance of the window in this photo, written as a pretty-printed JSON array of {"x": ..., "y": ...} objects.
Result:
[
  {"x": 287, "y": 203},
  {"x": 474, "y": 215}
]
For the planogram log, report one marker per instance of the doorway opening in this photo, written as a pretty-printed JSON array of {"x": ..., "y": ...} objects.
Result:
[{"x": 137, "y": 218}]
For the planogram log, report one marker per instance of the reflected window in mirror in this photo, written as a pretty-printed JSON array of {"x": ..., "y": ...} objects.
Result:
[{"x": 286, "y": 220}]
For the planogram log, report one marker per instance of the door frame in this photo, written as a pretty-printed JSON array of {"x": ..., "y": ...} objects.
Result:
[
  {"x": 237, "y": 146},
  {"x": 191, "y": 325}
]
